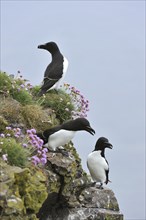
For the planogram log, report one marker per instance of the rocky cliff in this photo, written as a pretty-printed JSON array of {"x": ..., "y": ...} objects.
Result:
[{"x": 58, "y": 189}]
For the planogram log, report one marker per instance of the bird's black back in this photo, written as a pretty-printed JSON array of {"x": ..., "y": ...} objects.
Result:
[
  {"x": 45, "y": 134},
  {"x": 53, "y": 72},
  {"x": 55, "y": 69},
  {"x": 76, "y": 124}
]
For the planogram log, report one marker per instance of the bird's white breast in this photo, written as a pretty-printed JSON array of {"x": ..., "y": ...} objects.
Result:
[
  {"x": 65, "y": 66},
  {"x": 60, "y": 138},
  {"x": 97, "y": 166}
]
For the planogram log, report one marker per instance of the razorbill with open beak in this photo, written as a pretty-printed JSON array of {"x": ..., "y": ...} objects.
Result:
[
  {"x": 60, "y": 135},
  {"x": 56, "y": 70},
  {"x": 97, "y": 163}
]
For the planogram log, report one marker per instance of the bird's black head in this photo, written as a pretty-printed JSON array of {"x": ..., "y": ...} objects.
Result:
[
  {"x": 50, "y": 46},
  {"x": 102, "y": 143},
  {"x": 83, "y": 124}
]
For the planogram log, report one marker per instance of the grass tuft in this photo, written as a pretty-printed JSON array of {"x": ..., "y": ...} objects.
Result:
[{"x": 16, "y": 154}]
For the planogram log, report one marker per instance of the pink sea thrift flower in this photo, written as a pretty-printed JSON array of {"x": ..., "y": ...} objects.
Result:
[{"x": 4, "y": 156}]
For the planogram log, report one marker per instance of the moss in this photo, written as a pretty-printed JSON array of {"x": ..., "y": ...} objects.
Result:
[
  {"x": 69, "y": 147},
  {"x": 15, "y": 203},
  {"x": 10, "y": 109},
  {"x": 20, "y": 217},
  {"x": 25, "y": 191},
  {"x": 113, "y": 217},
  {"x": 17, "y": 155},
  {"x": 32, "y": 116},
  {"x": 23, "y": 96},
  {"x": 35, "y": 117},
  {"x": 113, "y": 206},
  {"x": 32, "y": 188},
  {"x": 3, "y": 123},
  {"x": 53, "y": 187}
]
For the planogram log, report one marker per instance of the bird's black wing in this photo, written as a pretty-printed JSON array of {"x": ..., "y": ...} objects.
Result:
[
  {"x": 52, "y": 74},
  {"x": 41, "y": 136},
  {"x": 107, "y": 173},
  {"x": 54, "y": 70},
  {"x": 107, "y": 179},
  {"x": 47, "y": 84},
  {"x": 45, "y": 134}
]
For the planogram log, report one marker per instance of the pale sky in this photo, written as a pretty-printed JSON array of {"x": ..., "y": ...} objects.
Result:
[{"x": 104, "y": 42}]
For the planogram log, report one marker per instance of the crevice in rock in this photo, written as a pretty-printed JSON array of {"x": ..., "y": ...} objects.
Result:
[{"x": 55, "y": 204}]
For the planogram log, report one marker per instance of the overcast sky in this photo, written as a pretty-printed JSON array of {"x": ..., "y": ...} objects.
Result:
[{"x": 104, "y": 42}]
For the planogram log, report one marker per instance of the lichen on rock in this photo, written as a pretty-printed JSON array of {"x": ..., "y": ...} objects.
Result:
[{"x": 22, "y": 190}]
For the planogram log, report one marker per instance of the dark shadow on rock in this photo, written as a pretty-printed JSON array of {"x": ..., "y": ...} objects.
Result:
[{"x": 53, "y": 208}]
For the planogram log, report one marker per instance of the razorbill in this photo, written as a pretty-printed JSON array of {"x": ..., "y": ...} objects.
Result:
[
  {"x": 56, "y": 70},
  {"x": 62, "y": 134},
  {"x": 97, "y": 163}
]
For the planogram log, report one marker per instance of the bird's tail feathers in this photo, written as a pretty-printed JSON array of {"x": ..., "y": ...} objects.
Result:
[{"x": 41, "y": 92}]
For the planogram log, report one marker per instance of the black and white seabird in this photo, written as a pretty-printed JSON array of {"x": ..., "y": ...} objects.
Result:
[
  {"x": 56, "y": 70},
  {"x": 97, "y": 163},
  {"x": 60, "y": 135}
]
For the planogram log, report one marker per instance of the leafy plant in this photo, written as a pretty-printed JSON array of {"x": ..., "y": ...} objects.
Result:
[
  {"x": 22, "y": 96},
  {"x": 13, "y": 151},
  {"x": 16, "y": 87},
  {"x": 19, "y": 149},
  {"x": 5, "y": 83},
  {"x": 60, "y": 102}
]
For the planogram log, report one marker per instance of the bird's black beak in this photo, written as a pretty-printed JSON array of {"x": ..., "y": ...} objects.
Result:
[
  {"x": 41, "y": 46},
  {"x": 108, "y": 145},
  {"x": 90, "y": 130}
]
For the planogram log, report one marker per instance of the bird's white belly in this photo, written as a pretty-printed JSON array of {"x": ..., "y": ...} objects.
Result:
[
  {"x": 60, "y": 138},
  {"x": 65, "y": 66},
  {"x": 97, "y": 166}
]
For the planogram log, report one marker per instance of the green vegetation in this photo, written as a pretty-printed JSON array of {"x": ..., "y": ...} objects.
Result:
[
  {"x": 22, "y": 109},
  {"x": 61, "y": 103},
  {"x": 67, "y": 103},
  {"x": 5, "y": 83},
  {"x": 17, "y": 88},
  {"x": 22, "y": 96},
  {"x": 16, "y": 154}
]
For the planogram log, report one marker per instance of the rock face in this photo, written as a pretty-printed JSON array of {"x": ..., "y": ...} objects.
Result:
[
  {"x": 94, "y": 204},
  {"x": 59, "y": 191},
  {"x": 76, "y": 199},
  {"x": 22, "y": 192}
]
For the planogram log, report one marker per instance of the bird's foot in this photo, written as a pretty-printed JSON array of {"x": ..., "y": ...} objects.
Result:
[
  {"x": 62, "y": 151},
  {"x": 100, "y": 186}
]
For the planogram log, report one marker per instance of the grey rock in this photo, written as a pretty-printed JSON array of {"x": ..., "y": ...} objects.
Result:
[{"x": 76, "y": 199}]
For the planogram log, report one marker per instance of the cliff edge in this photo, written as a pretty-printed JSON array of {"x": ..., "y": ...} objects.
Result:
[{"x": 41, "y": 185}]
